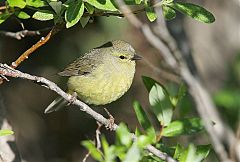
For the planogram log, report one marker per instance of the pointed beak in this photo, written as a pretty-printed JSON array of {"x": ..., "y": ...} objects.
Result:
[{"x": 136, "y": 57}]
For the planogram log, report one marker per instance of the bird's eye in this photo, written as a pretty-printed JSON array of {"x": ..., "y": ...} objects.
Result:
[{"x": 122, "y": 57}]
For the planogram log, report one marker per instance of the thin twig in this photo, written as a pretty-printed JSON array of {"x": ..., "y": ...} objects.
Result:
[
  {"x": 10, "y": 72},
  {"x": 98, "y": 133},
  {"x": 41, "y": 42},
  {"x": 21, "y": 34}
]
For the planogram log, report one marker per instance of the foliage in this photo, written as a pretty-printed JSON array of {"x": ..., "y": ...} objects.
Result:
[
  {"x": 71, "y": 12},
  {"x": 163, "y": 104}
]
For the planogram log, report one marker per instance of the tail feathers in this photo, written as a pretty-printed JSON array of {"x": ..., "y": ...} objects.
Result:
[{"x": 56, "y": 105}]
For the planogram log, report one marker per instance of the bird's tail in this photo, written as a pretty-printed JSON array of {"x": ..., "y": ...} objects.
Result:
[{"x": 57, "y": 104}]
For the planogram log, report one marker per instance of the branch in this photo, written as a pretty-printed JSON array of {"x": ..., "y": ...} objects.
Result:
[
  {"x": 41, "y": 42},
  {"x": 8, "y": 71},
  {"x": 21, "y": 34}
]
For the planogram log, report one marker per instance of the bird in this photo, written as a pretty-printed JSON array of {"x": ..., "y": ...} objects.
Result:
[{"x": 101, "y": 75}]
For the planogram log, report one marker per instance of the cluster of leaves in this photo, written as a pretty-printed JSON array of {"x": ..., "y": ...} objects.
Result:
[
  {"x": 163, "y": 105},
  {"x": 73, "y": 11}
]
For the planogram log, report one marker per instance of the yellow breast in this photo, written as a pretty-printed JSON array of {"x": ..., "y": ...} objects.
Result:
[{"x": 103, "y": 85}]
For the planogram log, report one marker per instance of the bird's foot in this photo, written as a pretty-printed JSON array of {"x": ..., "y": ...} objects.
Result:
[
  {"x": 73, "y": 98},
  {"x": 110, "y": 124}
]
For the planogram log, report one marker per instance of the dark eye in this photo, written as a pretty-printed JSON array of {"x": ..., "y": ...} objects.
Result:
[{"x": 122, "y": 57}]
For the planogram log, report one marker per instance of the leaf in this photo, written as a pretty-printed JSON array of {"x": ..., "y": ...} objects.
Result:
[
  {"x": 143, "y": 141},
  {"x": 148, "y": 82},
  {"x": 84, "y": 21},
  {"x": 95, "y": 153},
  {"x": 160, "y": 104},
  {"x": 56, "y": 6},
  {"x": 144, "y": 121},
  {"x": 138, "y": 1},
  {"x": 108, "y": 151},
  {"x": 196, "y": 12},
  {"x": 151, "y": 15},
  {"x": 74, "y": 13},
  {"x": 159, "y": 100},
  {"x": 183, "y": 127},
  {"x": 123, "y": 135},
  {"x": 43, "y": 15},
  {"x": 189, "y": 155},
  {"x": 168, "y": 13},
  {"x": 4, "y": 16},
  {"x": 103, "y": 4},
  {"x": 17, "y": 3},
  {"x": 178, "y": 151},
  {"x": 133, "y": 154},
  {"x": 89, "y": 8},
  {"x": 36, "y": 3},
  {"x": 6, "y": 132},
  {"x": 203, "y": 150},
  {"x": 22, "y": 15}
]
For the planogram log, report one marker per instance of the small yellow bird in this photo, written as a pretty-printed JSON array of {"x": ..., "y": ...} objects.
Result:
[{"x": 101, "y": 75}]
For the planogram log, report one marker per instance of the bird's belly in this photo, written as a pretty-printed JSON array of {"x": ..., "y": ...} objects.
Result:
[{"x": 100, "y": 90}]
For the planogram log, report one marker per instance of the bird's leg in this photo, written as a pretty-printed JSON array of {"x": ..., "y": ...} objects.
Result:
[
  {"x": 110, "y": 120},
  {"x": 73, "y": 98}
]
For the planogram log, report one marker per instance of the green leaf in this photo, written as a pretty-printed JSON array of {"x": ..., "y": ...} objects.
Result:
[
  {"x": 144, "y": 121},
  {"x": 159, "y": 100},
  {"x": 43, "y": 15},
  {"x": 4, "y": 16},
  {"x": 138, "y": 1},
  {"x": 123, "y": 135},
  {"x": 133, "y": 154},
  {"x": 103, "y": 4},
  {"x": 181, "y": 92},
  {"x": 168, "y": 13},
  {"x": 108, "y": 151},
  {"x": 151, "y": 15},
  {"x": 74, "y": 13},
  {"x": 194, "y": 11},
  {"x": 189, "y": 155},
  {"x": 36, "y": 3},
  {"x": 95, "y": 153},
  {"x": 148, "y": 82},
  {"x": 137, "y": 132},
  {"x": 89, "y": 8},
  {"x": 160, "y": 104},
  {"x": 143, "y": 141},
  {"x": 22, "y": 15},
  {"x": 178, "y": 151},
  {"x": 84, "y": 21},
  {"x": 6, "y": 132},
  {"x": 56, "y": 6},
  {"x": 17, "y": 3},
  {"x": 183, "y": 127},
  {"x": 203, "y": 150}
]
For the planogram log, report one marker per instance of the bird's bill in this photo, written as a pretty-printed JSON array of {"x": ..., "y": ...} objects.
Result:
[{"x": 136, "y": 57}]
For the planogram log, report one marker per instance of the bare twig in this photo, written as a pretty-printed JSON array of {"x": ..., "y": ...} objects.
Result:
[
  {"x": 41, "y": 42},
  {"x": 21, "y": 34},
  {"x": 86, "y": 156},
  {"x": 98, "y": 133},
  {"x": 10, "y": 72}
]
